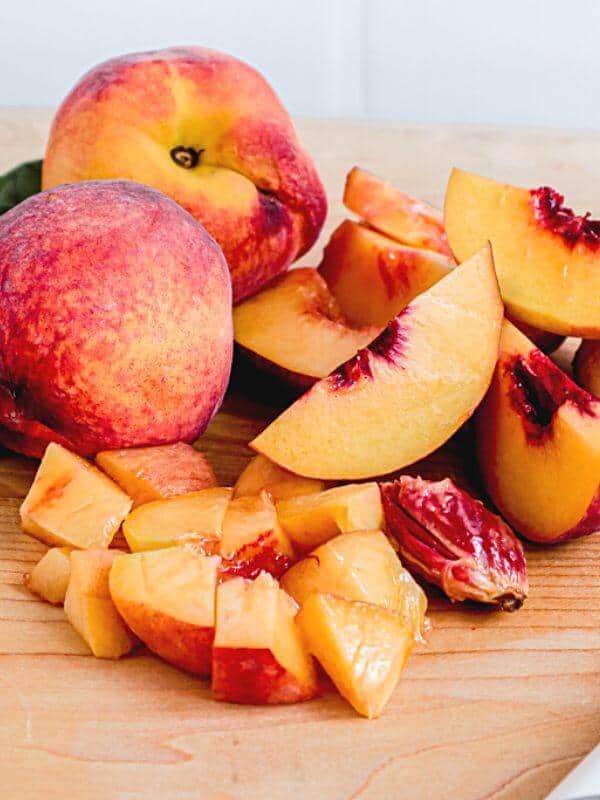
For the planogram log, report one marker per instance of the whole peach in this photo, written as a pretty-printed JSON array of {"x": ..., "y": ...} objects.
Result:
[
  {"x": 207, "y": 130},
  {"x": 115, "y": 320}
]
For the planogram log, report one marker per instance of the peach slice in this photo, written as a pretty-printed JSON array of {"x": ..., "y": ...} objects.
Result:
[
  {"x": 394, "y": 213},
  {"x": 167, "y": 597},
  {"x": 196, "y": 517},
  {"x": 548, "y": 259},
  {"x": 373, "y": 277},
  {"x": 360, "y": 566},
  {"x": 259, "y": 655},
  {"x": 89, "y": 607},
  {"x": 362, "y": 647},
  {"x": 538, "y": 442},
  {"x": 312, "y": 519},
  {"x": 50, "y": 577},
  {"x": 453, "y": 541},
  {"x": 72, "y": 503},
  {"x": 587, "y": 366},
  {"x": 260, "y": 473},
  {"x": 253, "y": 540},
  {"x": 298, "y": 308},
  {"x": 404, "y": 395},
  {"x": 155, "y": 473}
]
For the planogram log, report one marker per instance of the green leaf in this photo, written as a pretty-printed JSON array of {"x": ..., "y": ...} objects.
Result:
[{"x": 19, "y": 183}]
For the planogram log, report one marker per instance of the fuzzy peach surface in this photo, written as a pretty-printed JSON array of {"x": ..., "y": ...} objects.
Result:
[
  {"x": 254, "y": 188},
  {"x": 115, "y": 320}
]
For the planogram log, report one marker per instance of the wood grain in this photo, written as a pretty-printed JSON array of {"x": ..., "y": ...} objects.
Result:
[{"x": 495, "y": 707}]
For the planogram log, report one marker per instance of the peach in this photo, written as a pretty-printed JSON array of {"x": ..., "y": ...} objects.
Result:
[
  {"x": 167, "y": 598},
  {"x": 50, "y": 577},
  {"x": 138, "y": 349},
  {"x": 544, "y": 340},
  {"x": 312, "y": 519},
  {"x": 260, "y": 473},
  {"x": 298, "y": 307},
  {"x": 362, "y": 566},
  {"x": 259, "y": 655},
  {"x": 362, "y": 647},
  {"x": 403, "y": 396},
  {"x": 208, "y": 131},
  {"x": 587, "y": 366},
  {"x": 373, "y": 277},
  {"x": 538, "y": 442},
  {"x": 195, "y": 518},
  {"x": 253, "y": 541},
  {"x": 155, "y": 473},
  {"x": 394, "y": 213},
  {"x": 89, "y": 607},
  {"x": 453, "y": 541},
  {"x": 548, "y": 259},
  {"x": 72, "y": 503}
]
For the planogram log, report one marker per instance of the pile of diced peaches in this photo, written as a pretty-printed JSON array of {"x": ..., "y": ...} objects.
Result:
[{"x": 294, "y": 580}]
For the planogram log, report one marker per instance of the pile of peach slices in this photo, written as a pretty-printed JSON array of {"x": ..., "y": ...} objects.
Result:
[{"x": 293, "y": 580}]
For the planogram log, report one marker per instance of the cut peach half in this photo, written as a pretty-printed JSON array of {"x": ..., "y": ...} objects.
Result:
[
  {"x": 167, "y": 598},
  {"x": 72, "y": 503},
  {"x": 587, "y": 366},
  {"x": 312, "y": 519},
  {"x": 538, "y": 441},
  {"x": 297, "y": 329},
  {"x": 260, "y": 473},
  {"x": 373, "y": 277},
  {"x": 89, "y": 606},
  {"x": 196, "y": 518},
  {"x": 155, "y": 473},
  {"x": 362, "y": 566},
  {"x": 404, "y": 395},
  {"x": 362, "y": 647},
  {"x": 259, "y": 655},
  {"x": 49, "y": 578},
  {"x": 253, "y": 540},
  {"x": 395, "y": 213},
  {"x": 547, "y": 259}
]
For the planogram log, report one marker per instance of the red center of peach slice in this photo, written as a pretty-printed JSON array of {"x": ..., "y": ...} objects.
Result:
[
  {"x": 552, "y": 214},
  {"x": 538, "y": 389},
  {"x": 389, "y": 346}
]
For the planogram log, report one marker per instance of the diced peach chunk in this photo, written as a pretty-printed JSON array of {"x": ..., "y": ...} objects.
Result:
[
  {"x": 360, "y": 566},
  {"x": 261, "y": 473},
  {"x": 196, "y": 517},
  {"x": 89, "y": 607},
  {"x": 155, "y": 473},
  {"x": 50, "y": 576},
  {"x": 363, "y": 648},
  {"x": 72, "y": 503},
  {"x": 259, "y": 655},
  {"x": 253, "y": 539},
  {"x": 312, "y": 519},
  {"x": 167, "y": 597}
]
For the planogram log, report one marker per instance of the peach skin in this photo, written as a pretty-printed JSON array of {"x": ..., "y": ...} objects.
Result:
[
  {"x": 138, "y": 349},
  {"x": 207, "y": 130},
  {"x": 538, "y": 441},
  {"x": 547, "y": 258}
]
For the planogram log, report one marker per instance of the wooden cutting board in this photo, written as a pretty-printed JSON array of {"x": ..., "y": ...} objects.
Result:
[{"x": 495, "y": 706}]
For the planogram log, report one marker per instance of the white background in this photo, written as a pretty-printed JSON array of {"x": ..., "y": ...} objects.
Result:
[{"x": 520, "y": 62}]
